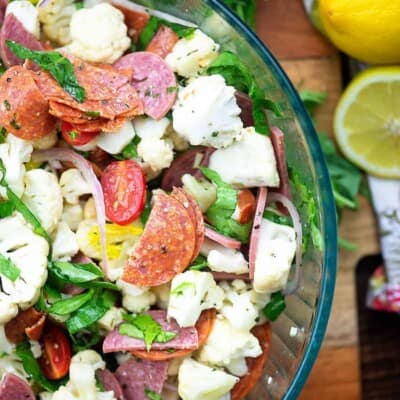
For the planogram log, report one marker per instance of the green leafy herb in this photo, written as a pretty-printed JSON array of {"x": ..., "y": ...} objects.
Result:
[
  {"x": 151, "y": 395},
  {"x": 245, "y": 9},
  {"x": 278, "y": 218},
  {"x": 85, "y": 338},
  {"x": 275, "y": 307},
  {"x": 6, "y": 208},
  {"x": 130, "y": 150},
  {"x": 144, "y": 327},
  {"x": 312, "y": 100},
  {"x": 56, "y": 64},
  {"x": 178, "y": 291},
  {"x": 9, "y": 269},
  {"x": 3, "y": 135},
  {"x": 7, "y": 105},
  {"x": 2, "y": 67},
  {"x": 144, "y": 216},
  {"x": 199, "y": 263},
  {"x": 71, "y": 304},
  {"x": 93, "y": 114}
]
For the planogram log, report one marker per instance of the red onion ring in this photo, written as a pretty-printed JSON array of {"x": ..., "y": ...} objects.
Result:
[
  {"x": 86, "y": 169},
  {"x": 227, "y": 276},
  {"x": 222, "y": 239},
  {"x": 280, "y": 198}
]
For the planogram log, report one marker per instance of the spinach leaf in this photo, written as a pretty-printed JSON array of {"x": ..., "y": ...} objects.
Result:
[
  {"x": 178, "y": 291},
  {"x": 129, "y": 151},
  {"x": 9, "y": 269},
  {"x": 61, "y": 69},
  {"x": 278, "y": 218},
  {"x": 312, "y": 99},
  {"x": 275, "y": 307},
  {"x": 199, "y": 263},
  {"x": 86, "y": 338},
  {"x": 144, "y": 216},
  {"x": 151, "y": 395},
  {"x": 69, "y": 305},
  {"x": 245, "y": 9},
  {"x": 6, "y": 208}
]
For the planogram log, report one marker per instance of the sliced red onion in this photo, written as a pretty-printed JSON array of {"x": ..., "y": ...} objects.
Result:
[
  {"x": 261, "y": 202},
  {"x": 228, "y": 276},
  {"x": 86, "y": 169},
  {"x": 43, "y": 3},
  {"x": 222, "y": 239},
  {"x": 170, "y": 387},
  {"x": 293, "y": 285}
]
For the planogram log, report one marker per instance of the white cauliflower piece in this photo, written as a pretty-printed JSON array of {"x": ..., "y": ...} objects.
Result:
[
  {"x": 157, "y": 153},
  {"x": 72, "y": 215},
  {"x": 55, "y": 16},
  {"x": 149, "y": 128},
  {"x": 162, "y": 295},
  {"x": 203, "y": 191},
  {"x": 191, "y": 55},
  {"x": 46, "y": 142},
  {"x": 111, "y": 319},
  {"x": 27, "y": 14},
  {"x": 180, "y": 143},
  {"x": 98, "y": 34},
  {"x": 43, "y": 197},
  {"x": 200, "y": 382},
  {"x": 73, "y": 186},
  {"x": 82, "y": 379},
  {"x": 36, "y": 348},
  {"x": 136, "y": 299},
  {"x": 28, "y": 252},
  {"x": 248, "y": 162},
  {"x": 191, "y": 293},
  {"x": 206, "y": 113},
  {"x": 276, "y": 249},
  {"x": 14, "y": 152},
  {"x": 223, "y": 259},
  {"x": 114, "y": 143},
  {"x": 219, "y": 352},
  {"x": 65, "y": 245}
]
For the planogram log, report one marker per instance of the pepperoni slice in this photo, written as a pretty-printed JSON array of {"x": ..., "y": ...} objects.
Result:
[
  {"x": 154, "y": 81},
  {"x": 163, "y": 41},
  {"x": 246, "y": 205},
  {"x": 101, "y": 125},
  {"x": 254, "y": 365},
  {"x": 204, "y": 326},
  {"x": 166, "y": 246}
]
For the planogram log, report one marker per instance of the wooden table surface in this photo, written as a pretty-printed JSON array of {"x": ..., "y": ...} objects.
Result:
[{"x": 312, "y": 63}]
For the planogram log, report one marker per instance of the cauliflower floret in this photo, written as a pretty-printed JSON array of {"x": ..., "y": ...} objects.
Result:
[
  {"x": 111, "y": 319},
  {"x": 149, "y": 128},
  {"x": 157, "y": 153},
  {"x": 136, "y": 299},
  {"x": 247, "y": 163},
  {"x": 14, "y": 152},
  {"x": 82, "y": 379},
  {"x": 219, "y": 352},
  {"x": 162, "y": 294},
  {"x": 65, "y": 245},
  {"x": 43, "y": 197},
  {"x": 28, "y": 252},
  {"x": 73, "y": 186},
  {"x": 206, "y": 113},
  {"x": 200, "y": 382},
  {"x": 98, "y": 34},
  {"x": 223, "y": 259},
  {"x": 27, "y": 14},
  {"x": 55, "y": 16},
  {"x": 204, "y": 192},
  {"x": 275, "y": 252},
  {"x": 72, "y": 215},
  {"x": 193, "y": 54},
  {"x": 46, "y": 142},
  {"x": 191, "y": 293},
  {"x": 114, "y": 143},
  {"x": 180, "y": 143}
]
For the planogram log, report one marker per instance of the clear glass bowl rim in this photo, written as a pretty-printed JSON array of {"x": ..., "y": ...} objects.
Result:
[{"x": 328, "y": 216}]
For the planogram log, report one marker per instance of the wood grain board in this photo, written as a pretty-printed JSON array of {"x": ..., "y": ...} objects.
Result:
[{"x": 312, "y": 63}]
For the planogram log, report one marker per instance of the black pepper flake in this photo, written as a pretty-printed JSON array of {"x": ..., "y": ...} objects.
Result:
[
  {"x": 8, "y": 80},
  {"x": 257, "y": 227},
  {"x": 164, "y": 249},
  {"x": 7, "y": 105},
  {"x": 14, "y": 122}
]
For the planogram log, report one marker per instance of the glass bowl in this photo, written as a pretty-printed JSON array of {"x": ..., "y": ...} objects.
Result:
[{"x": 298, "y": 333}]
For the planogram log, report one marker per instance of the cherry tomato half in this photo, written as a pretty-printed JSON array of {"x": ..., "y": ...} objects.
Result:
[
  {"x": 56, "y": 353},
  {"x": 74, "y": 137},
  {"x": 124, "y": 188}
]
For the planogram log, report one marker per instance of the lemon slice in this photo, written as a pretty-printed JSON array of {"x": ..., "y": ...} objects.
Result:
[{"x": 367, "y": 121}]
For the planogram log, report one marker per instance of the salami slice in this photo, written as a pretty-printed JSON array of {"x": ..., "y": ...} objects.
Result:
[
  {"x": 255, "y": 365},
  {"x": 204, "y": 326},
  {"x": 228, "y": 276},
  {"x": 246, "y": 105},
  {"x": 166, "y": 247},
  {"x": 163, "y": 41},
  {"x": 3, "y": 6},
  {"x": 222, "y": 239},
  {"x": 24, "y": 112},
  {"x": 12, "y": 29},
  {"x": 135, "y": 376},
  {"x": 14, "y": 388},
  {"x": 154, "y": 81},
  {"x": 110, "y": 383},
  {"x": 186, "y": 338}
]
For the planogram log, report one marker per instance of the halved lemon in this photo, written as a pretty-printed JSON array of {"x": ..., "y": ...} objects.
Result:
[{"x": 367, "y": 121}]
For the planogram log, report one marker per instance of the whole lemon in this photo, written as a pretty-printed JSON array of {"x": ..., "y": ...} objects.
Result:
[{"x": 368, "y": 30}]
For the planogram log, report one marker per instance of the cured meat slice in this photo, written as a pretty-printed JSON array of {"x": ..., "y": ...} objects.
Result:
[
  {"x": 163, "y": 41},
  {"x": 135, "y": 376},
  {"x": 12, "y": 29},
  {"x": 110, "y": 383},
  {"x": 3, "y": 6},
  {"x": 261, "y": 202},
  {"x": 24, "y": 112},
  {"x": 204, "y": 326},
  {"x": 195, "y": 214},
  {"x": 246, "y": 206},
  {"x": 186, "y": 338},
  {"x": 228, "y": 276},
  {"x": 222, "y": 239},
  {"x": 14, "y": 388},
  {"x": 154, "y": 81},
  {"x": 166, "y": 247},
  {"x": 255, "y": 365},
  {"x": 101, "y": 125},
  {"x": 186, "y": 163},
  {"x": 246, "y": 105}
]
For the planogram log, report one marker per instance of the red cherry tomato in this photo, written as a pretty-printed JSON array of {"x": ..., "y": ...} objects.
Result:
[
  {"x": 74, "y": 137},
  {"x": 124, "y": 188},
  {"x": 56, "y": 354}
]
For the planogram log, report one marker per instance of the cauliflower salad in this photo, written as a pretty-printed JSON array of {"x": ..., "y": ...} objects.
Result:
[{"x": 147, "y": 232}]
